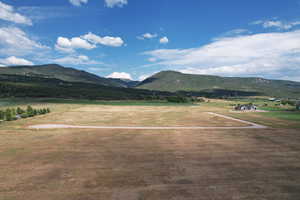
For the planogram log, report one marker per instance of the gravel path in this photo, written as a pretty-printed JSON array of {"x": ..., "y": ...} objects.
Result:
[{"x": 64, "y": 126}]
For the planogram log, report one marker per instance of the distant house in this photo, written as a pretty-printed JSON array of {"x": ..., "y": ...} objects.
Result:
[
  {"x": 245, "y": 107},
  {"x": 274, "y": 99},
  {"x": 298, "y": 105}
]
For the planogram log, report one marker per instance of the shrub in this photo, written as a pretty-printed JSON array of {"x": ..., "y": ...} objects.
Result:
[
  {"x": 24, "y": 115},
  {"x": 177, "y": 99},
  {"x": 20, "y": 111},
  {"x": 201, "y": 100},
  {"x": 2, "y": 115},
  {"x": 8, "y": 115},
  {"x": 30, "y": 111},
  {"x": 288, "y": 102},
  {"x": 13, "y": 112}
]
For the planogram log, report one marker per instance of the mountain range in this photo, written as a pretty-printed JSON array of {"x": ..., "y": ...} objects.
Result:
[
  {"x": 172, "y": 81},
  {"x": 69, "y": 80}
]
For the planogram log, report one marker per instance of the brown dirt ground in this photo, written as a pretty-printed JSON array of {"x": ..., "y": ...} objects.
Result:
[
  {"x": 149, "y": 165},
  {"x": 136, "y": 116}
]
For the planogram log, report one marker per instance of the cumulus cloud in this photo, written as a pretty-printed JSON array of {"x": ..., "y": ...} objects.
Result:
[
  {"x": 147, "y": 36},
  {"x": 69, "y": 45},
  {"x": 76, "y": 60},
  {"x": 120, "y": 75},
  {"x": 277, "y": 24},
  {"x": 268, "y": 54},
  {"x": 8, "y": 13},
  {"x": 107, "y": 40},
  {"x": 14, "y": 41},
  {"x": 113, "y": 3},
  {"x": 12, "y": 60},
  {"x": 164, "y": 40},
  {"x": 78, "y": 2},
  {"x": 87, "y": 41}
]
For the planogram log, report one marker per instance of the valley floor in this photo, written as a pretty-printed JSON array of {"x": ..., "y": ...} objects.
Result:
[{"x": 90, "y": 164}]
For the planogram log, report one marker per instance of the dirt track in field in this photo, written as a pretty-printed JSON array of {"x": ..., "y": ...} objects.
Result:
[{"x": 60, "y": 126}]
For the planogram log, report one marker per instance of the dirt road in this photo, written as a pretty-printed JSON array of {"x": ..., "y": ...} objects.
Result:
[{"x": 64, "y": 126}]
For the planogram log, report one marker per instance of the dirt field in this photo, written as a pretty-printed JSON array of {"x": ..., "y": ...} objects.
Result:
[
  {"x": 137, "y": 116},
  {"x": 87, "y": 164}
]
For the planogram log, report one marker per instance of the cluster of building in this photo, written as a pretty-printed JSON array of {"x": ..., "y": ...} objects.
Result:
[{"x": 246, "y": 107}]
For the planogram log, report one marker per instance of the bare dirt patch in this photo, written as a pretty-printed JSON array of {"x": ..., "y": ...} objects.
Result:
[
  {"x": 89, "y": 164},
  {"x": 138, "y": 116},
  {"x": 137, "y": 164},
  {"x": 251, "y": 125}
]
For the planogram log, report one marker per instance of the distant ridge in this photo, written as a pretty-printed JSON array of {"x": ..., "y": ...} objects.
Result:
[
  {"x": 125, "y": 82},
  {"x": 173, "y": 81},
  {"x": 56, "y": 71},
  {"x": 166, "y": 81}
]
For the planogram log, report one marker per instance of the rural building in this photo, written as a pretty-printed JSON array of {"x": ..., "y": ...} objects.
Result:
[{"x": 245, "y": 107}]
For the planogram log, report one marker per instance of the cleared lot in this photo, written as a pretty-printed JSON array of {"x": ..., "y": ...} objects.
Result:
[
  {"x": 138, "y": 116},
  {"x": 251, "y": 125},
  {"x": 83, "y": 164}
]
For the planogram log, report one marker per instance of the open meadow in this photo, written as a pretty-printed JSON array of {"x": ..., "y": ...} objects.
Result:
[{"x": 90, "y": 164}]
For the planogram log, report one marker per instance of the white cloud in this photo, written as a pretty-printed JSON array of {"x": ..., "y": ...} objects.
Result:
[
  {"x": 268, "y": 54},
  {"x": 69, "y": 45},
  {"x": 152, "y": 59},
  {"x": 14, "y": 41},
  {"x": 164, "y": 40},
  {"x": 113, "y": 3},
  {"x": 76, "y": 60},
  {"x": 12, "y": 60},
  {"x": 120, "y": 75},
  {"x": 39, "y": 13},
  {"x": 233, "y": 33},
  {"x": 78, "y": 2},
  {"x": 107, "y": 40},
  {"x": 277, "y": 24},
  {"x": 8, "y": 13},
  {"x": 147, "y": 36},
  {"x": 87, "y": 41}
]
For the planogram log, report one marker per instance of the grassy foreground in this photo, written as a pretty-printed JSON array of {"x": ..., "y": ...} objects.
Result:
[
  {"x": 20, "y": 101},
  {"x": 275, "y": 116},
  {"x": 87, "y": 164}
]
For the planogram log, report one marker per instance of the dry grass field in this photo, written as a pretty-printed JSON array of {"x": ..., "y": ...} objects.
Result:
[
  {"x": 136, "y": 116},
  {"x": 76, "y": 164}
]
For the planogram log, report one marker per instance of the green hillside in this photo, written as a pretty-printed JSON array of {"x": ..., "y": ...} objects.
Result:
[
  {"x": 38, "y": 87},
  {"x": 55, "y": 71},
  {"x": 125, "y": 82},
  {"x": 175, "y": 81}
]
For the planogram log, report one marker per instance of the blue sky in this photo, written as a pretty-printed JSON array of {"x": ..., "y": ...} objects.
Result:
[{"x": 136, "y": 38}]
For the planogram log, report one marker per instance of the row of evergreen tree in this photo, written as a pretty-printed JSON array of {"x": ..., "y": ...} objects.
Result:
[{"x": 11, "y": 114}]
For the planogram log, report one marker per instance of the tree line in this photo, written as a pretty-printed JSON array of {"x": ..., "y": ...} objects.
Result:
[
  {"x": 11, "y": 114},
  {"x": 291, "y": 103}
]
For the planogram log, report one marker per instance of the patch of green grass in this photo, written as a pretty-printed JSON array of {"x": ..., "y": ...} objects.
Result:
[
  {"x": 119, "y": 103},
  {"x": 17, "y": 101},
  {"x": 277, "y": 108},
  {"x": 286, "y": 115}
]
